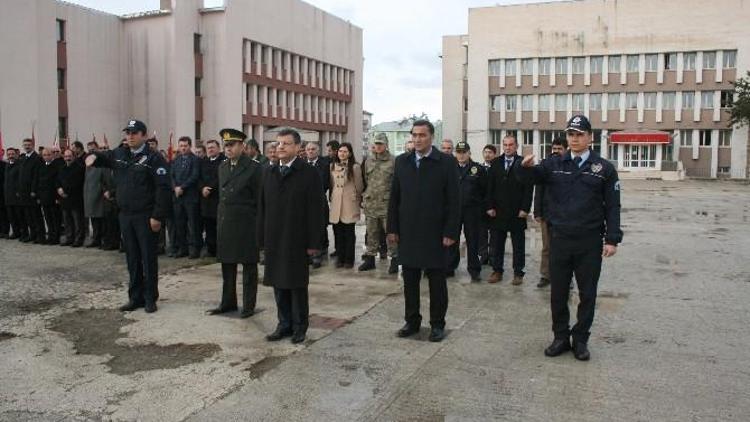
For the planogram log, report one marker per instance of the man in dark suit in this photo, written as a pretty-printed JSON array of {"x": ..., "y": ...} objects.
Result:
[
  {"x": 423, "y": 218},
  {"x": 240, "y": 179},
  {"x": 289, "y": 222},
  {"x": 185, "y": 178},
  {"x": 10, "y": 191},
  {"x": 70, "y": 179},
  {"x": 323, "y": 166},
  {"x": 210, "y": 192},
  {"x": 508, "y": 206},
  {"x": 4, "y": 222},
  {"x": 47, "y": 196},
  {"x": 28, "y": 179}
]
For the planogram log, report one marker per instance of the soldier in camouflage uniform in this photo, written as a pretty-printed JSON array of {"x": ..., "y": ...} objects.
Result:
[{"x": 378, "y": 174}]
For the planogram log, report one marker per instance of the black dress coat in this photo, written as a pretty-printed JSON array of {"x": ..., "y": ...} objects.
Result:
[
  {"x": 290, "y": 218},
  {"x": 507, "y": 195},
  {"x": 210, "y": 178},
  {"x": 10, "y": 184},
  {"x": 71, "y": 178},
  {"x": 424, "y": 207},
  {"x": 3, "y": 165},
  {"x": 47, "y": 186},
  {"x": 28, "y": 177},
  {"x": 239, "y": 189}
]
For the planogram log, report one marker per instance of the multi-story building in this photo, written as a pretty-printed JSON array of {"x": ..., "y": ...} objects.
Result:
[
  {"x": 183, "y": 69},
  {"x": 653, "y": 77},
  {"x": 366, "y": 127},
  {"x": 399, "y": 132}
]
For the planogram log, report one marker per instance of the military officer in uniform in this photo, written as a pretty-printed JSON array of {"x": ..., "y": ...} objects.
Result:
[
  {"x": 472, "y": 181},
  {"x": 583, "y": 214},
  {"x": 240, "y": 179},
  {"x": 378, "y": 175},
  {"x": 143, "y": 196}
]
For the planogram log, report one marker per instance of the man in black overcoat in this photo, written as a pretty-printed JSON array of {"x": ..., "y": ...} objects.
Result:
[
  {"x": 47, "y": 196},
  {"x": 10, "y": 192},
  {"x": 28, "y": 179},
  {"x": 289, "y": 222},
  {"x": 209, "y": 187},
  {"x": 70, "y": 179},
  {"x": 423, "y": 218}
]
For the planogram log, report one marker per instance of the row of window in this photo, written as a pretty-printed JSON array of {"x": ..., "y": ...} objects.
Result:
[
  {"x": 263, "y": 101},
  {"x": 614, "y": 63},
  {"x": 511, "y": 102},
  {"x": 705, "y": 138},
  {"x": 290, "y": 67}
]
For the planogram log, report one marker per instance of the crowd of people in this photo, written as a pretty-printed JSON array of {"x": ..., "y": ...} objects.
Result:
[{"x": 225, "y": 199}]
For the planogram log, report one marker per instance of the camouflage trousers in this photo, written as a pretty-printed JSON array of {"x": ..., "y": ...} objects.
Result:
[{"x": 376, "y": 226}]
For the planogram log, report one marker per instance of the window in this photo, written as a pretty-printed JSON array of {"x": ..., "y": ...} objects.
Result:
[
  {"x": 544, "y": 66},
  {"x": 689, "y": 61},
  {"x": 60, "y": 78},
  {"x": 667, "y": 101},
  {"x": 709, "y": 60},
  {"x": 632, "y": 63},
  {"x": 686, "y": 137},
  {"x": 730, "y": 59},
  {"x": 725, "y": 138},
  {"x": 561, "y": 65},
  {"x": 545, "y": 143},
  {"x": 579, "y": 65},
  {"x": 724, "y": 170},
  {"x": 510, "y": 103},
  {"x": 595, "y": 102},
  {"x": 640, "y": 156},
  {"x": 561, "y": 102},
  {"x": 527, "y": 66},
  {"x": 60, "y": 24},
  {"x": 727, "y": 98},
  {"x": 707, "y": 100},
  {"x": 704, "y": 138},
  {"x": 510, "y": 67},
  {"x": 596, "y": 64},
  {"x": 614, "y": 150},
  {"x": 670, "y": 61},
  {"x": 649, "y": 100},
  {"x": 494, "y": 67},
  {"x": 544, "y": 102},
  {"x": 614, "y": 64},
  {"x": 527, "y": 102},
  {"x": 688, "y": 100},
  {"x": 527, "y": 138},
  {"x": 577, "y": 102},
  {"x": 631, "y": 101},
  {"x": 197, "y": 43},
  {"x": 652, "y": 62},
  {"x": 613, "y": 101},
  {"x": 496, "y": 102}
]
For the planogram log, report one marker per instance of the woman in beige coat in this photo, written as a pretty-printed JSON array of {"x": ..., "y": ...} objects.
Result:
[{"x": 346, "y": 198}]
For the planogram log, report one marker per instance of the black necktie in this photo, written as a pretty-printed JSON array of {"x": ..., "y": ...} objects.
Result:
[
  {"x": 578, "y": 160},
  {"x": 508, "y": 163},
  {"x": 284, "y": 170}
]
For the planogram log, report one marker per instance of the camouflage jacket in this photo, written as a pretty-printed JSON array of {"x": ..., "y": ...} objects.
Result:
[{"x": 378, "y": 174}]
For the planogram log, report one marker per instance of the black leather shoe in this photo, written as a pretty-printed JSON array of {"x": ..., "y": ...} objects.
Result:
[
  {"x": 543, "y": 282},
  {"x": 247, "y": 313},
  {"x": 558, "y": 347},
  {"x": 279, "y": 334},
  {"x": 181, "y": 255},
  {"x": 220, "y": 310},
  {"x": 581, "y": 351},
  {"x": 408, "y": 330},
  {"x": 450, "y": 274},
  {"x": 298, "y": 337},
  {"x": 130, "y": 306},
  {"x": 150, "y": 308},
  {"x": 475, "y": 277},
  {"x": 368, "y": 263},
  {"x": 437, "y": 334},
  {"x": 393, "y": 268}
]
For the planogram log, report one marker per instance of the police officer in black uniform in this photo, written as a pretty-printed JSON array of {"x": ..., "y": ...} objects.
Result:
[
  {"x": 472, "y": 179},
  {"x": 143, "y": 187},
  {"x": 583, "y": 194}
]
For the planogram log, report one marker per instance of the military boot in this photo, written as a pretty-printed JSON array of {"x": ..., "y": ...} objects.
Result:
[{"x": 368, "y": 263}]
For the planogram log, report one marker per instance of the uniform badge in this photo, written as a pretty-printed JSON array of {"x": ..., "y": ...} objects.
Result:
[
  {"x": 596, "y": 168},
  {"x": 617, "y": 186},
  {"x": 143, "y": 159},
  {"x": 161, "y": 171},
  {"x": 474, "y": 171}
]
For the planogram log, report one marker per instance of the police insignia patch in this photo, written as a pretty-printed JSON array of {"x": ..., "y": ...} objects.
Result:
[
  {"x": 161, "y": 171},
  {"x": 596, "y": 168},
  {"x": 474, "y": 170},
  {"x": 617, "y": 186}
]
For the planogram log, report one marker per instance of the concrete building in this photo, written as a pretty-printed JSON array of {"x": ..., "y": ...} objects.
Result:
[
  {"x": 366, "y": 127},
  {"x": 654, "y": 77},
  {"x": 185, "y": 69},
  {"x": 399, "y": 132}
]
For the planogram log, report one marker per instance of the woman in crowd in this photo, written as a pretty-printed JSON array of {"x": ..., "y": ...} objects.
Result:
[{"x": 346, "y": 198}]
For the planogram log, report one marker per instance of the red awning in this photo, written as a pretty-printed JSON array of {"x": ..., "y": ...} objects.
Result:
[{"x": 653, "y": 137}]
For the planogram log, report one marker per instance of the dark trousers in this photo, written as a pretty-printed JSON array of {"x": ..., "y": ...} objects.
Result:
[
  {"x": 438, "y": 296},
  {"x": 34, "y": 221},
  {"x": 485, "y": 239},
  {"x": 518, "y": 240},
  {"x": 229, "y": 286},
  {"x": 96, "y": 230},
  {"x": 470, "y": 220},
  {"x": 111, "y": 228},
  {"x": 140, "y": 254},
  {"x": 186, "y": 216},
  {"x": 210, "y": 225},
  {"x": 292, "y": 309},
  {"x": 75, "y": 225},
  {"x": 17, "y": 221},
  {"x": 52, "y": 216},
  {"x": 4, "y": 221},
  {"x": 336, "y": 238},
  {"x": 582, "y": 257},
  {"x": 345, "y": 240}
]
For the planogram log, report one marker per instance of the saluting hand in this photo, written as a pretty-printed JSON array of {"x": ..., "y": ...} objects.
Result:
[
  {"x": 609, "y": 251},
  {"x": 528, "y": 161}
]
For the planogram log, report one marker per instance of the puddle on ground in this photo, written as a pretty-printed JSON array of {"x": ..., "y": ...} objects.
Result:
[
  {"x": 5, "y": 335},
  {"x": 96, "y": 331},
  {"x": 268, "y": 363}
]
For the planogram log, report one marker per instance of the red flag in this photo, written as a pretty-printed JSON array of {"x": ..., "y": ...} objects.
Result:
[{"x": 170, "y": 149}]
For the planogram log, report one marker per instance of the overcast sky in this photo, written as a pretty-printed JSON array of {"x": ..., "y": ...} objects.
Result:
[{"x": 402, "y": 45}]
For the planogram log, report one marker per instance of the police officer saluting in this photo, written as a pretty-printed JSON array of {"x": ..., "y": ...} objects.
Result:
[
  {"x": 143, "y": 197},
  {"x": 583, "y": 198}
]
